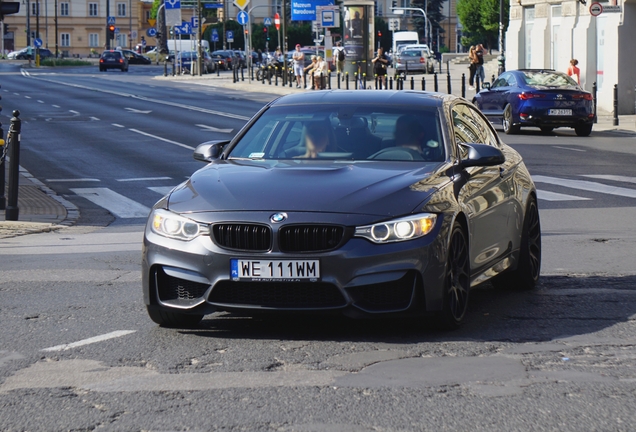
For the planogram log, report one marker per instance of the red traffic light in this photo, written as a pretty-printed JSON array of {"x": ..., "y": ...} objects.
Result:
[
  {"x": 111, "y": 28},
  {"x": 265, "y": 29},
  {"x": 379, "y": 33}
]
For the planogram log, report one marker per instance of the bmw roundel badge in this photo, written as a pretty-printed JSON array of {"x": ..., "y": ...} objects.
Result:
[{"x": 278, "y": 217}]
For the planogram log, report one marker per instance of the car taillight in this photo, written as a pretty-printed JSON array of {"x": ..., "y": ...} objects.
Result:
[
  {"x": 101, "y": 60},
  {"x": 584, "y": 96},
  {"x": 121, "y": 60},
  {"x": 422, "y": 60},
  {"x": 526, "y": 96}
]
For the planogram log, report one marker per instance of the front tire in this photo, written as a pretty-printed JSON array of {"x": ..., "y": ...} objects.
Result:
[
  {"x": 456, "y": 280},
  {"x": 173, "y": 319},
  {"x": 508, "y": 122},
  {"x": 526, "y": 275},
  {"x": 583, "y": 130}
]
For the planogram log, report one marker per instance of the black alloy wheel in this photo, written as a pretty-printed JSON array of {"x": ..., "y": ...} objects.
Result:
[
  {"x": 526, "y": 275},
  {"x": 583, "y": 130},
  {"x": 456, "y": 280},
  {"x": 508, "y": 124}
]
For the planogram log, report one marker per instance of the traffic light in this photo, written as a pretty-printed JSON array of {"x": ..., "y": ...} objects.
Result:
[
  {"x": 394, "y": 4},
  {"x": 8, "y": 8},
  {"x": 111, "y": 32},
  {"x": 379, "y": 34},
  {"x": 266, "y": 32}
]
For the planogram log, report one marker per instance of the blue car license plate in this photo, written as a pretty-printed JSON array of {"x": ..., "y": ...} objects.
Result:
[{"x": 304, "y": 270}]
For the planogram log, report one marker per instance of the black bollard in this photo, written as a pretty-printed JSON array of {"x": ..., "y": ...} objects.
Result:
[
  {"x": 615, "y": 104},
  {"x": 594, "y": 90},
  {"x": 338, "y": 75},
  {"x": 448, "y": 82},
  {"x": 347, "y": 80},
  {"x": 218, "y": 69},
  {"x": 364, "y": 76},
  {"x": 412, "y": 83},
  {"x": 269, "y": 74},
  {"x": 390, "y": 83},
  {"x": 165, "y": 68},
  {"x": 12, "y": 212},
  {"x": 423, "y": 84},
  {"x": 174, "y": 66},
  {"x": 242, "y": 74},
  {"x": 463, "y": 85},
  {"x": 304, "y": 81},
  {"x": 477, "y": 84},
  {"x": 355, "y": 81},
  {"x": 435, "y": 83},
  {"x": 276, "y": 75}
]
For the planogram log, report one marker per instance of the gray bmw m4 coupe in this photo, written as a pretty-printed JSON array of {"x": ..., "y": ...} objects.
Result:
[{"x": 357, "y": 202}]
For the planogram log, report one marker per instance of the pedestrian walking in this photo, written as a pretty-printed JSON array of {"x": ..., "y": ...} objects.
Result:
[
  {"x": 472, "y": 68},
  {"x": 480, "y": 73},
  {"x": 573, "y": 70},
  {"x": 339, "y": 56}
]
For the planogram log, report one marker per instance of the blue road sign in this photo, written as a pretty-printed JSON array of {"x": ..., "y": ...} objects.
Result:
[
  {"x": 37, "y": 42},
  {"x": 212, "y": 5},
  {"x": 183, "y": 29},
  {"x": 194, "y": 22},
  {"x": 173, "y": 4},
  {"x": 111, "y": 20},
  {"x": 215, "y": 35},
  {"x": 267, "y": 22},
  {"x": 230, "y": 36},
  {"x": 242, "y": 18},
  {"x": 116, "y": 30},
  {"x": 151, "y": 32}
]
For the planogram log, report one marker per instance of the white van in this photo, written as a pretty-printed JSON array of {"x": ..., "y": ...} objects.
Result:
[
  {"x": 403, "y": 38},
  {"x": 187, "y": 45}
]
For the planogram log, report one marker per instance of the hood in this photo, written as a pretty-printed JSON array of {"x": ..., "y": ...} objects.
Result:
[{"x": 374, "y": 188}]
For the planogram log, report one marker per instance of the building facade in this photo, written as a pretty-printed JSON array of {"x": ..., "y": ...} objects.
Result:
[{"x": 600, "y": 35}]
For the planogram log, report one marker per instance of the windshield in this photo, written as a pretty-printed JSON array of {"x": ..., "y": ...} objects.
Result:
[
  {"x": 347, "y": 132},
  {"x": 548, "y": 79}
]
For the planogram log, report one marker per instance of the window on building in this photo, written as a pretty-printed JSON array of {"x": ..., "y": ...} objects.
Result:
[
  {"x": 93, "y": 39},
  {"x": 528, "y": 18},
  {"x": 93, "y": 9},
  {"x": 64, "y": 9},
  {"x": 148, "y": 15},
  {"x": 65, "y": 39},
  {"x": 121, "y": 9},
  {"x": 122, "y": 40}
]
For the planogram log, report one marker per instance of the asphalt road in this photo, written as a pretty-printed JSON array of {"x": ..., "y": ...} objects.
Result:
[{"x": 77, "y": 351}]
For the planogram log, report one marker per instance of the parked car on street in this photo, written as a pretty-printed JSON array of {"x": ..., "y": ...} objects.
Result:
[
  {"x": 113, "y": 59},
  {"x": 541, "y": 98},
  {"x": 135, "y": 58},
  {"x": 223, "y": 58},
  {"x": 361, "y": 203},
  {"x": 413, "y": 61},
  {"x": 28, "y": 53},
  {"x": 187, "y": 58}
]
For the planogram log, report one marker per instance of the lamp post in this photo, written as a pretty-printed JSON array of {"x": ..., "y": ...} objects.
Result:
[{"x": 502, "y": 55}]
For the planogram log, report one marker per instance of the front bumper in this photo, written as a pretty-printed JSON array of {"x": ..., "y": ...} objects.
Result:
[{"x": 358, "y": 278}]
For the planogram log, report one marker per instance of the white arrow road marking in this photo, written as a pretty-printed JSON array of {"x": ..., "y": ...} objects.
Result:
[
  {"x": 115, "y": 203},
  {"x": 133, "y": 110},
  {"x": 92, "y": 340},
  {"x": 213, "y": 129}
]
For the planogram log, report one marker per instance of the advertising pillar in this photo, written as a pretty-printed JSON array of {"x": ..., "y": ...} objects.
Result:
[{"x": 357, "y": 36}]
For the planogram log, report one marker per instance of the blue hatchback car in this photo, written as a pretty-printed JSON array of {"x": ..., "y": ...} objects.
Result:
[{"x": 546, "y": 99}]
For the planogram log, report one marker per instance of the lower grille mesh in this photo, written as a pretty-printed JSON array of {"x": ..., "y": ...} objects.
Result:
[
  {"x": 171, "y": 288},
  {"x": 291, "y": 295}
]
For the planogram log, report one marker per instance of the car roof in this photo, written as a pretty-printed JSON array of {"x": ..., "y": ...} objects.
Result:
[{"x": 370, "y": 98}]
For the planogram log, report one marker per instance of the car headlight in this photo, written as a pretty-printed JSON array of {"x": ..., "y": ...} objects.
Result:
[
  {"x": 402, "y": 229},
  {"x": 172, "y": 225}
]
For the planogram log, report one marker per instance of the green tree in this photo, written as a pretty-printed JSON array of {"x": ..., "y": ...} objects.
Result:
[
  {"x": 433, "y": 9},
  {"x": 480, "y": 19}
]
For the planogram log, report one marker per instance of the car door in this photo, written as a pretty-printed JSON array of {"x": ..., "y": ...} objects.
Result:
[{"x": 488, "y": 193}]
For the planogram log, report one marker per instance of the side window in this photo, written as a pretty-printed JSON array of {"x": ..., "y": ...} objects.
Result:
[
  {"x": 512, "y": 82},
  {"x": 485, "y": 132},
  {"x": 464, "y": 126},
  {"x": 500, "y": 82}
]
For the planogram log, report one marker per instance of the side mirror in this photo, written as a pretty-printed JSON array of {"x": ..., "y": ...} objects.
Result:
[
  {"x": 482, "y": 155},
  {"x": 209, "y": 151},
  {"x": 486, "y": 85}
]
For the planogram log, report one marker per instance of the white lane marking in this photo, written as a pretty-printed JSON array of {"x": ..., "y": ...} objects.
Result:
[
  {"x": 147, "y": 99},
  {"x": 115, "y": 203},
  {"x": 94, "y": 118},
  {"x": 553, "y": 196},
  {"x": 17, "y": 94},
  {"x": 136, "y": 111},
  {"x": 28, "y": 97},
  {"x": 623, "y": 179},
  {"x": 161, "y": 190},
  {"x": 587, "y": 186},
  {"x": 213, "y": 129},
  {"x": 55, "y": 106},
  {"x": 40, "y": 101},
  {"x": 568, "y": 148},
  {"x": 74, "y": 112},
  {"x": 73, "y": 180},
  {"x": 118, "y": 125},
  {"x": 92, "y": 340},
  {"x": 144, "y": 179},
  {"x": 162, "y": 139}
]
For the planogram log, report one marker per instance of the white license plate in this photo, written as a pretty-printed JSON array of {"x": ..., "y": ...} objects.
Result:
[
  {"x": 274, "y": 270},
  {"x": 560, "y": 112}
]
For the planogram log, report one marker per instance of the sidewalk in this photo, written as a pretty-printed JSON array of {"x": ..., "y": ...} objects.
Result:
[{"x": 41, "y": 210}]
